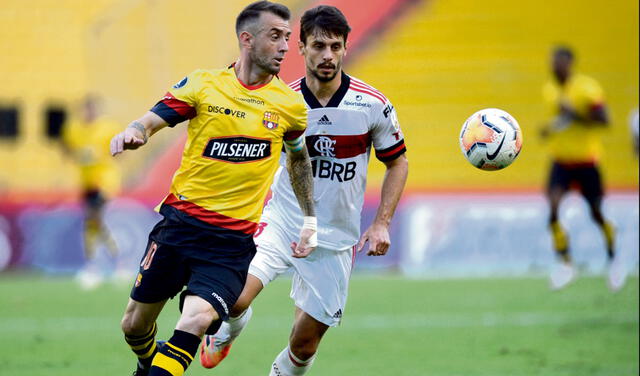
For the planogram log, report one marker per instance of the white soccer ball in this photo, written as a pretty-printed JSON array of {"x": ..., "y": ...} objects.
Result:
[{"x": 491, "y": 139}]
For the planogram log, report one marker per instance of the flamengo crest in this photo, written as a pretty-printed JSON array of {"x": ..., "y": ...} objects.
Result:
[{"x": 270, "y": 120}]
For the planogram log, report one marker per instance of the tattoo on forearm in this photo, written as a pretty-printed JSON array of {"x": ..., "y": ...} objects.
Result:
[
  {"x": 138, "y": 125},
  {"x": 301, "y": 176}
]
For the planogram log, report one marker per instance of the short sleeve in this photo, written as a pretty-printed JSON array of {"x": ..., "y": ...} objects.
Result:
[
  {"x": 592, "y": 92},
  {"x": 180, "y": 101},
  {"x": 386, "y": 134},
  {"x": 297, "y": 122}
]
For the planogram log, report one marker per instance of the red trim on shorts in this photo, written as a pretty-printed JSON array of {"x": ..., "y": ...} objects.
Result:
[{"x": 211, "y": 217}]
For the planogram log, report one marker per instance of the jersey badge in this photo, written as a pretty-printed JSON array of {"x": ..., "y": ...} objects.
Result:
[{"x": 270, "y": 120}]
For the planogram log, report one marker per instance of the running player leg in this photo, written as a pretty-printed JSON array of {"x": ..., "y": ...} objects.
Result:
[
  {"x": 139, "y": 328},
  {"x": 178, "y": 352},
  {"x": 320, "y": 286},
  {"x": 592, "y": 191},
  {"x": 271, "y": 260},
  {"x": 216, "y": 347},
  {"x": 564, "y": 273},
  {"x": 297, "y": 358}
]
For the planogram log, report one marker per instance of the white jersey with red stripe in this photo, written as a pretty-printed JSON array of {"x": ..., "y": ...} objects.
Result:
[{"x": 339, "y": 137}]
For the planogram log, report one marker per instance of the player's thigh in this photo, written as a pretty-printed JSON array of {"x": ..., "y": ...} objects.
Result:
[
  {"x": 273, "y": 253},
  {"x": 558, "y": 183},
  {"x": 321, "y": 283},
  {"x": 219, "y": 276},
  {"x": 163, "y": 270},
  {"x": 591, "y": 186}
]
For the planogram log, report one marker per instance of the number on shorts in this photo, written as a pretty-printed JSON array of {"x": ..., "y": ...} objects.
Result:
[
  {"x": 260, "y": 228},
  {"x": 146, "y": 262}
]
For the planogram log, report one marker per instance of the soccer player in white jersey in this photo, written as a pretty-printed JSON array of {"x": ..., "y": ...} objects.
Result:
[{"x": 345, "y": 118}]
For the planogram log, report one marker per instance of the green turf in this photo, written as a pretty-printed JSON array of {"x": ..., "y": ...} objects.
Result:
[{"x": 392, "y": 326}]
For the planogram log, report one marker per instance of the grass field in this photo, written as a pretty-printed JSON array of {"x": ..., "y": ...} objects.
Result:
[{"x": 393, "y": 326}]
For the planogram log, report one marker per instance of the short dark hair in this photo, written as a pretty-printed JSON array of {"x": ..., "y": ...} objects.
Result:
[
  {"x": 563, "y": 51},
  {"x": 252, "y": 12},
  {"x": 327, "y": 20}
]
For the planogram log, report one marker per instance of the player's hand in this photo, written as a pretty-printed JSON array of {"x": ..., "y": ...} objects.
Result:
[
  {"x": 129, "y": 139},
  {"x": 306, "y": 245},
  {"x": 379, "y": 241}
]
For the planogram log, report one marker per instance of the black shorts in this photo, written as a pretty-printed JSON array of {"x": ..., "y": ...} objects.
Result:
[
  {"x": 586, "y": 178},
  {"x": 94, "y": 199},
  {"x": 211, "y": 262}
]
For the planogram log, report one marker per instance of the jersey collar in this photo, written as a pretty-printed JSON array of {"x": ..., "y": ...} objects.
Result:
[
  {"x": 335, "y": 100},
  {"x": 249, "y": 87}
]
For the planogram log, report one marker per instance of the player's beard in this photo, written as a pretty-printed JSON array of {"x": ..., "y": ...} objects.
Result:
[
  {"x": 323, "y": 78},
  {"x": 264, "y": 62}
]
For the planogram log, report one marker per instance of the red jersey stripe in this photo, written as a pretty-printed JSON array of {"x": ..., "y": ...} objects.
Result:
[
  {"x": 292, "y": 135},
  {"x": 362, "y": 85},
  {"x": 390, "y": 152},
  {"x": 211, "y": 217},
  {"x": 180, "y": 107},
  {"x": 345, "y": 146},
  {"x": 382, "y": 99}
]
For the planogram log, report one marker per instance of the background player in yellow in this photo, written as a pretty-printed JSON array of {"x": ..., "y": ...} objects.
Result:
[
  {"x": 579, "y": 114},
  {"x": 240, "y": 117},
  {"x": 85, "y": 140}
]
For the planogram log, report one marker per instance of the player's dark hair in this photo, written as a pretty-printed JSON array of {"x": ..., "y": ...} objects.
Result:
[
  {"x": 563, "y": 51},
  {"x": 252, "y": 12},
  {"x": 325, "y": 19}
]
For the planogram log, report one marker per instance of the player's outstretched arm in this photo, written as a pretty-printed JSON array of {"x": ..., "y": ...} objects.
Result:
[
  {"x": 300, "y": 172},
  {"x": 392, "y": 186},
  {"x": 137, "y": 133}
]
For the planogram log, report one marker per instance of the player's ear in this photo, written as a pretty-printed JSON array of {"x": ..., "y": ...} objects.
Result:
[
  {"x": 301, "y": 48},
  {"x": 246, "y": 39}
]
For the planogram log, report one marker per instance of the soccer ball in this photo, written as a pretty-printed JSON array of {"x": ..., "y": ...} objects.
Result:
[{"x": 491, "y": 139}]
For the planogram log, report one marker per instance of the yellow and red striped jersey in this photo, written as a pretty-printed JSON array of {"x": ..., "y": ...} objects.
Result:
[
  {"x": 235, "y": 135},
  {"x": 578, "y": 142}
]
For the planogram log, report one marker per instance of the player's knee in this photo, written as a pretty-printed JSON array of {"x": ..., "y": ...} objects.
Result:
[
  {"x": 304, "y": 349},
  {"x": 132, "y": 324},
  {"x": 197, "y": 322}
]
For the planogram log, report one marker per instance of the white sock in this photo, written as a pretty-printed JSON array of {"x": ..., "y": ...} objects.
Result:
[
  {"x": 287, "y": 364},
  {"x": 234, "y": 325}
]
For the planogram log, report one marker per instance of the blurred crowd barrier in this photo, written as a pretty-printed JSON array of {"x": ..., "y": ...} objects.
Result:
[{"x": 433, "y": 235}]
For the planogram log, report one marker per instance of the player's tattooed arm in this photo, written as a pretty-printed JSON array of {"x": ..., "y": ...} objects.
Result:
[
  {"x": 140, "y": 128},
  {"x": 301, "y": 175},
  {"x": 137, "y": 133}
]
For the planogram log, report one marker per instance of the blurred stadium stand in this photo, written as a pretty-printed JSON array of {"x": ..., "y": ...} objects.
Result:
[{"x": 437, "y": 60}]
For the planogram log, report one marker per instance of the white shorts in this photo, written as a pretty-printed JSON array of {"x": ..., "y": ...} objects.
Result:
[{"x": 320, "y": 281}]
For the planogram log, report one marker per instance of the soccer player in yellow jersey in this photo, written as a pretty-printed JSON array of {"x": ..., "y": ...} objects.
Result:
[
  {"x": 86, "y": 141},
  {"x": 240, "y": 119},
  {"x": 577, "y": 105}
]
